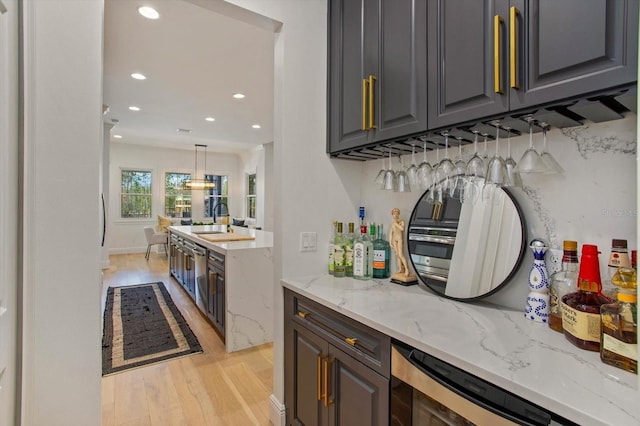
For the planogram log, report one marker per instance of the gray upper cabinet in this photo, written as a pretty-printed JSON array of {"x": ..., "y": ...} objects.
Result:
[
  {"x": 377, "y": 76},
  {"x": 492, "y": 56}
]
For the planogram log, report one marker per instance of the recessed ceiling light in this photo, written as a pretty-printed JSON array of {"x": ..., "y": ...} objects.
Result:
[
  {"x": 148, "y": 12},
  {"x": 117, "y": 136},
  {"x": 256, "y": 126},
  {"x": 210, "y": 119},
  {"x": 138, "y": 76},
  {"x": 134, "y": 108},
  {"x": 238, "y": 95}
]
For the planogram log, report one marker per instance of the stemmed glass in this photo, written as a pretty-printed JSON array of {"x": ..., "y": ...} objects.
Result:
[
  {"x": 475, "y": 171},
  {"x": 402, "y": 180},
  {"x": 435, "y": 186},
  {"x": 484, "y": 155},
  {"x": 549, "y": 161},
  {"x": 379, "y": 180},
  {"x": 389, "y": 181},
  {"x": 412, "y": 171},
  {"x": 460, "y": 168},
  {"x": 512, "y": 172},
  {"x": 425, "y": 170},
  {"x": 531, "y": 162},
  {"x": 496, "y": 170},
  {"x": 445, "y": 169}
]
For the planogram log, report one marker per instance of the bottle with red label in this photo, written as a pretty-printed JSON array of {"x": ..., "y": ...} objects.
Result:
[{"x": 581, "y": 309}]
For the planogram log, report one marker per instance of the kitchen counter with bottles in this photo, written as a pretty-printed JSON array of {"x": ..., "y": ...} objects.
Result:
[
  {"x": 240, "y": 302},
  {"x": 493, "y": 343}
]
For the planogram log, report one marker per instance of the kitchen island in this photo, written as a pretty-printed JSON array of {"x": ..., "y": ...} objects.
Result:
[
  {"x": 230, "y": 281},
  {"x": 493, "y": 343}
]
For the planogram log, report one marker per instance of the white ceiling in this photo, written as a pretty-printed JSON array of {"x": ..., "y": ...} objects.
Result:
[{"x": 194, "y": 59}]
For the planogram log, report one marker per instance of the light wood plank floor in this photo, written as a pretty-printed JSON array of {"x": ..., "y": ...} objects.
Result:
[{"x": 212, "y": 388}]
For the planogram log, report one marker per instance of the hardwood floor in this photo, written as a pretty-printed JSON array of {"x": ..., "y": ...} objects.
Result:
[{"x": 212, "y": 388}]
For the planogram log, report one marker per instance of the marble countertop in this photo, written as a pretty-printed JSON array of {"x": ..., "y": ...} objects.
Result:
[
  {"x": 263, "y": 239},
  {"x": 493, "y": 343}
]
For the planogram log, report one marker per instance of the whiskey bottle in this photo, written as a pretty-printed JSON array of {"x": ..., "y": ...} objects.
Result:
[
  {"x": 339, "y": 250},
  {"x": 619, "y": 339},
  {"x": 563, "y": 282},
  {"x": 348, "y": 251},
  {"x": 581, "y": 309},
  {"x": 619, "y": 258},
  {"x": 381, "y": 253}
]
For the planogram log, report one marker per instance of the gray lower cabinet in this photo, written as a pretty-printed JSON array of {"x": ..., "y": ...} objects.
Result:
[
  {"x": 336, "y": 370},
  {"x": 182, "y": 265},
  {"x": 216, "y": 294},
  {"x": 492, "y": 56},
  {"x": 377, "y": 71}
]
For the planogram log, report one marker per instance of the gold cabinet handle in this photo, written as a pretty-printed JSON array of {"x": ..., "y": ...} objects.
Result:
[
  {"x": 513, "y": 16},
  {"x": 327, "y": 365},
  {"x": 320, "y": 358},
  {"x": 187, "y": 264},
  {"x": 302, "y": 314},
  {"x": 365, "y": 83},
  {"x": 497, "y": 21},
  {"x": 351, "y": 340},
  {"x": 372, "y": 122}
]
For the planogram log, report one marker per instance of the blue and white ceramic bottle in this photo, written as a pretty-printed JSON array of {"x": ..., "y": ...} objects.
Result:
[{"x": 537, "y": 308}]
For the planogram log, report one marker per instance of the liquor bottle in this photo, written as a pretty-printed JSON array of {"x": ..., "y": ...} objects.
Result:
[
  {"x": 380, "y": 255},
  {"x": 332, "y": 240},
  {"x": 348, "y": 253},
  {"x": 618, "y": 258},
  {"x": 563, "y": 282},
  {"x": 362, "y": 255},
  {"x": 619, "y": 339},
  {"x": 581, "y": 309},
  {"x": 339, "y": 253}
]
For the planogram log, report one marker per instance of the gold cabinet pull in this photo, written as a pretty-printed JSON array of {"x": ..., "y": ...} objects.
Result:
[
  {"x": 372, "y": 122},
  {"x": 497, "y": 21},
  {"x": 351, "y": 340},
  {"x": 320, "y": 358},
  {"x": 365, "y": 83},
  {"x": 513, "y": 16},
  {"x": 302, "y": 314},
  {"x": 187, "y": 264},
  {"x": 212, "y": 279},
  {"x": 327, "y": 365}
]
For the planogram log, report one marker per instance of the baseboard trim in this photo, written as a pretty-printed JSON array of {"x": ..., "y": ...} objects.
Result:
[{"x": 277, "y": 411}]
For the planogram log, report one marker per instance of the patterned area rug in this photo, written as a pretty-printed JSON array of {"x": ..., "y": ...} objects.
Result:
[{"x": 142, "y": 326}]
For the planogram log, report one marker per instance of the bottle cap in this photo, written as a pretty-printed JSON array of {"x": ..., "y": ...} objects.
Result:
[
  {"x": 589, "y": 275},
  {"x": 618, "y": 244},
  {"x": 339, "y": 227},
  {"x": 570, "y": 245},
  {"x": 351, "y": 227},
  {"x": 634, "y": 256}
]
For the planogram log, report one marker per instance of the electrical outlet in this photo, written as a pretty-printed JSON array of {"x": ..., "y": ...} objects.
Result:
[
  {"x": 308, "y": 241},
  {"x": 553, "y": 260}
]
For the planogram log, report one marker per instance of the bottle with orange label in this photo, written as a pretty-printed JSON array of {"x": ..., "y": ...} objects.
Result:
[
  {"x": 381, "y": 251},
  {"x": 581, "y": 309}
]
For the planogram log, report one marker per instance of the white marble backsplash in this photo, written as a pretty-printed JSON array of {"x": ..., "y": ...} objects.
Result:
[{"x": 592, "y": 202}]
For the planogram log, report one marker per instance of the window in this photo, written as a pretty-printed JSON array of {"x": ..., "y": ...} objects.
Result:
[
  {"x": 177, "y": 201},
  {"x": 251, "y": 196},
  {"x": 135, "y": 194},
  {"x": 215, "y": 200}
]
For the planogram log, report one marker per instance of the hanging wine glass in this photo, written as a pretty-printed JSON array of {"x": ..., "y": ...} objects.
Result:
[
  {"x": 496, "y": 175},
  {"x": 445, "y": 169},
  {"x": 424, "y": 170},
  {"x": 460, "y": 168},
  {"x": 514, "y": 175},
  {"x": 435, "y": 186},
  {"x": 474, "y": 172},
  {"x": 531, "y": 162},
  {"x": 412, "y": 171},
  {"x": 389, "y": 182},
  {"x": 552, "y": 165},
  {"x": 485, "y": 154},
  {"x": 379, "y": 180},
  {"x": 402, "y": 180}
]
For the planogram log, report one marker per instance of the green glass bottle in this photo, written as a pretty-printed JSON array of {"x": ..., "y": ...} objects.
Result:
[
  {"x": 348, "y": 251},
  {"x": 331, "y": 250},
  {"x": 381, "y": 253},
  {"x": 339, "y": 253}
]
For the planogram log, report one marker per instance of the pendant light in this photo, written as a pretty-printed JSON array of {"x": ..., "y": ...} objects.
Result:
[{"x": 197, "y": 184}]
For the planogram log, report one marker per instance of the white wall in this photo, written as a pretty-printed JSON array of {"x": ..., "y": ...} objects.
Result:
[
  {"x": 127, "y": 235},
  {"x": 259, "y": 161},
  {"x": 61, "y": 318}
]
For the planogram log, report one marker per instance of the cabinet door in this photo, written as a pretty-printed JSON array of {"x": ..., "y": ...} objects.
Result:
[
  {"x": 572, "y": 47},
  {"x": 219, "y": 301},
  {"x": 361, "y": 395},
  {"x": 211, "y": 299},
  {"x": 304, "y": 354},
  {"x": 400, "y": 88},
  {"x": 353, "y": 35},
  {"x": 462, "y": 71}
]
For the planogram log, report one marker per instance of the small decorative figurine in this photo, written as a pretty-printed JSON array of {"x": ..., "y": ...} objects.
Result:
[
  {"x": 396, "y": 241},
  {"x": 538, "y": 299}
]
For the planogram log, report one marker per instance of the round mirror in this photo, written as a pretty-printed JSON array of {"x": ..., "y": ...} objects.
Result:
[{"x": 466, "y": 251}]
